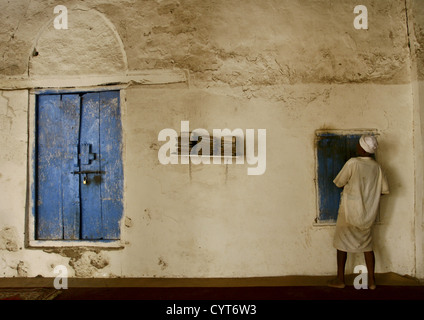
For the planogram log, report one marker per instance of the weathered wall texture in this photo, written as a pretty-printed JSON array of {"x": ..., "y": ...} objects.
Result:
[
  {"x": 290, "y": 67},
  {"x": 416, "y": 27}
]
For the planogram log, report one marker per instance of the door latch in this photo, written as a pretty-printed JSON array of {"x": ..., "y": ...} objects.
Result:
[{"x": 87, "y": 172}]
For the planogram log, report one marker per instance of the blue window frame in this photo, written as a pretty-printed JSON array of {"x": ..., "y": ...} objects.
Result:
[
  {"x": 333, "y": 151},
  {"x": 79, "y": 174}
]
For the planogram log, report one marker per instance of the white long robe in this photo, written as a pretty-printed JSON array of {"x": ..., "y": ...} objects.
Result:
[{"x": 363, "y": 182}]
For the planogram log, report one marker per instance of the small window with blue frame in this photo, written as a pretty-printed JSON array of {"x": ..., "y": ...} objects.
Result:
[{"x": 333, "y": 149}]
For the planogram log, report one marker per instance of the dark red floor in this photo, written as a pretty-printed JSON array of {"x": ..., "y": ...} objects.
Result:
[{"x": 245, "y": 293}]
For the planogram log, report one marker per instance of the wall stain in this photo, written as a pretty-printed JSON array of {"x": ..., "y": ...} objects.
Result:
[
  {"x": 147, "y": 216},
  {"x": 162, "y": 263},
  {"x": 22, "y": 269},
  {"x": 128, "y": 222}
]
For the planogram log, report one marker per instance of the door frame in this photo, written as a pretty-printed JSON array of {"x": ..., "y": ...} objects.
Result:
[{"x": 30, "y": 237}]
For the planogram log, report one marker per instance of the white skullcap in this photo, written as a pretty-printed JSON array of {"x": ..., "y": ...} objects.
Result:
[{"x": 368, "y": 143}]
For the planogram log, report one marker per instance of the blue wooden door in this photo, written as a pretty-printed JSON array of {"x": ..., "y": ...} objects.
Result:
[{"x": 79, "y": 167}]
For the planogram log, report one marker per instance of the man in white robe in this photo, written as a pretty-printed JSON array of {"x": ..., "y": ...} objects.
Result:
[{"x": 363, "y": 183}]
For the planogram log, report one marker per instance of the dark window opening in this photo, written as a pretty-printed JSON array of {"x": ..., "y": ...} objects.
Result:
[{"x": 333, "y": 151}]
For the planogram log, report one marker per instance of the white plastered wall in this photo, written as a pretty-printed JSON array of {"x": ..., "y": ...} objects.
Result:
[{"x": 215, "y": 220}]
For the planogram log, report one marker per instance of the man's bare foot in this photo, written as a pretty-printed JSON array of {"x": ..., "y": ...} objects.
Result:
[
  {"x": 371, "y": 283},
  {"x": 336, "y": 283}
]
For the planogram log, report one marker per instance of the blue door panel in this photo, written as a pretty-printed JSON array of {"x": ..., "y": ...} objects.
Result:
[
  {"x": 111, "y": 153},
  {"x": 49, "y": 168},
  {"x": 70, "y": 115},
  {"x": 91, "y": 218},
  {"x": 79, "y": 166}
]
